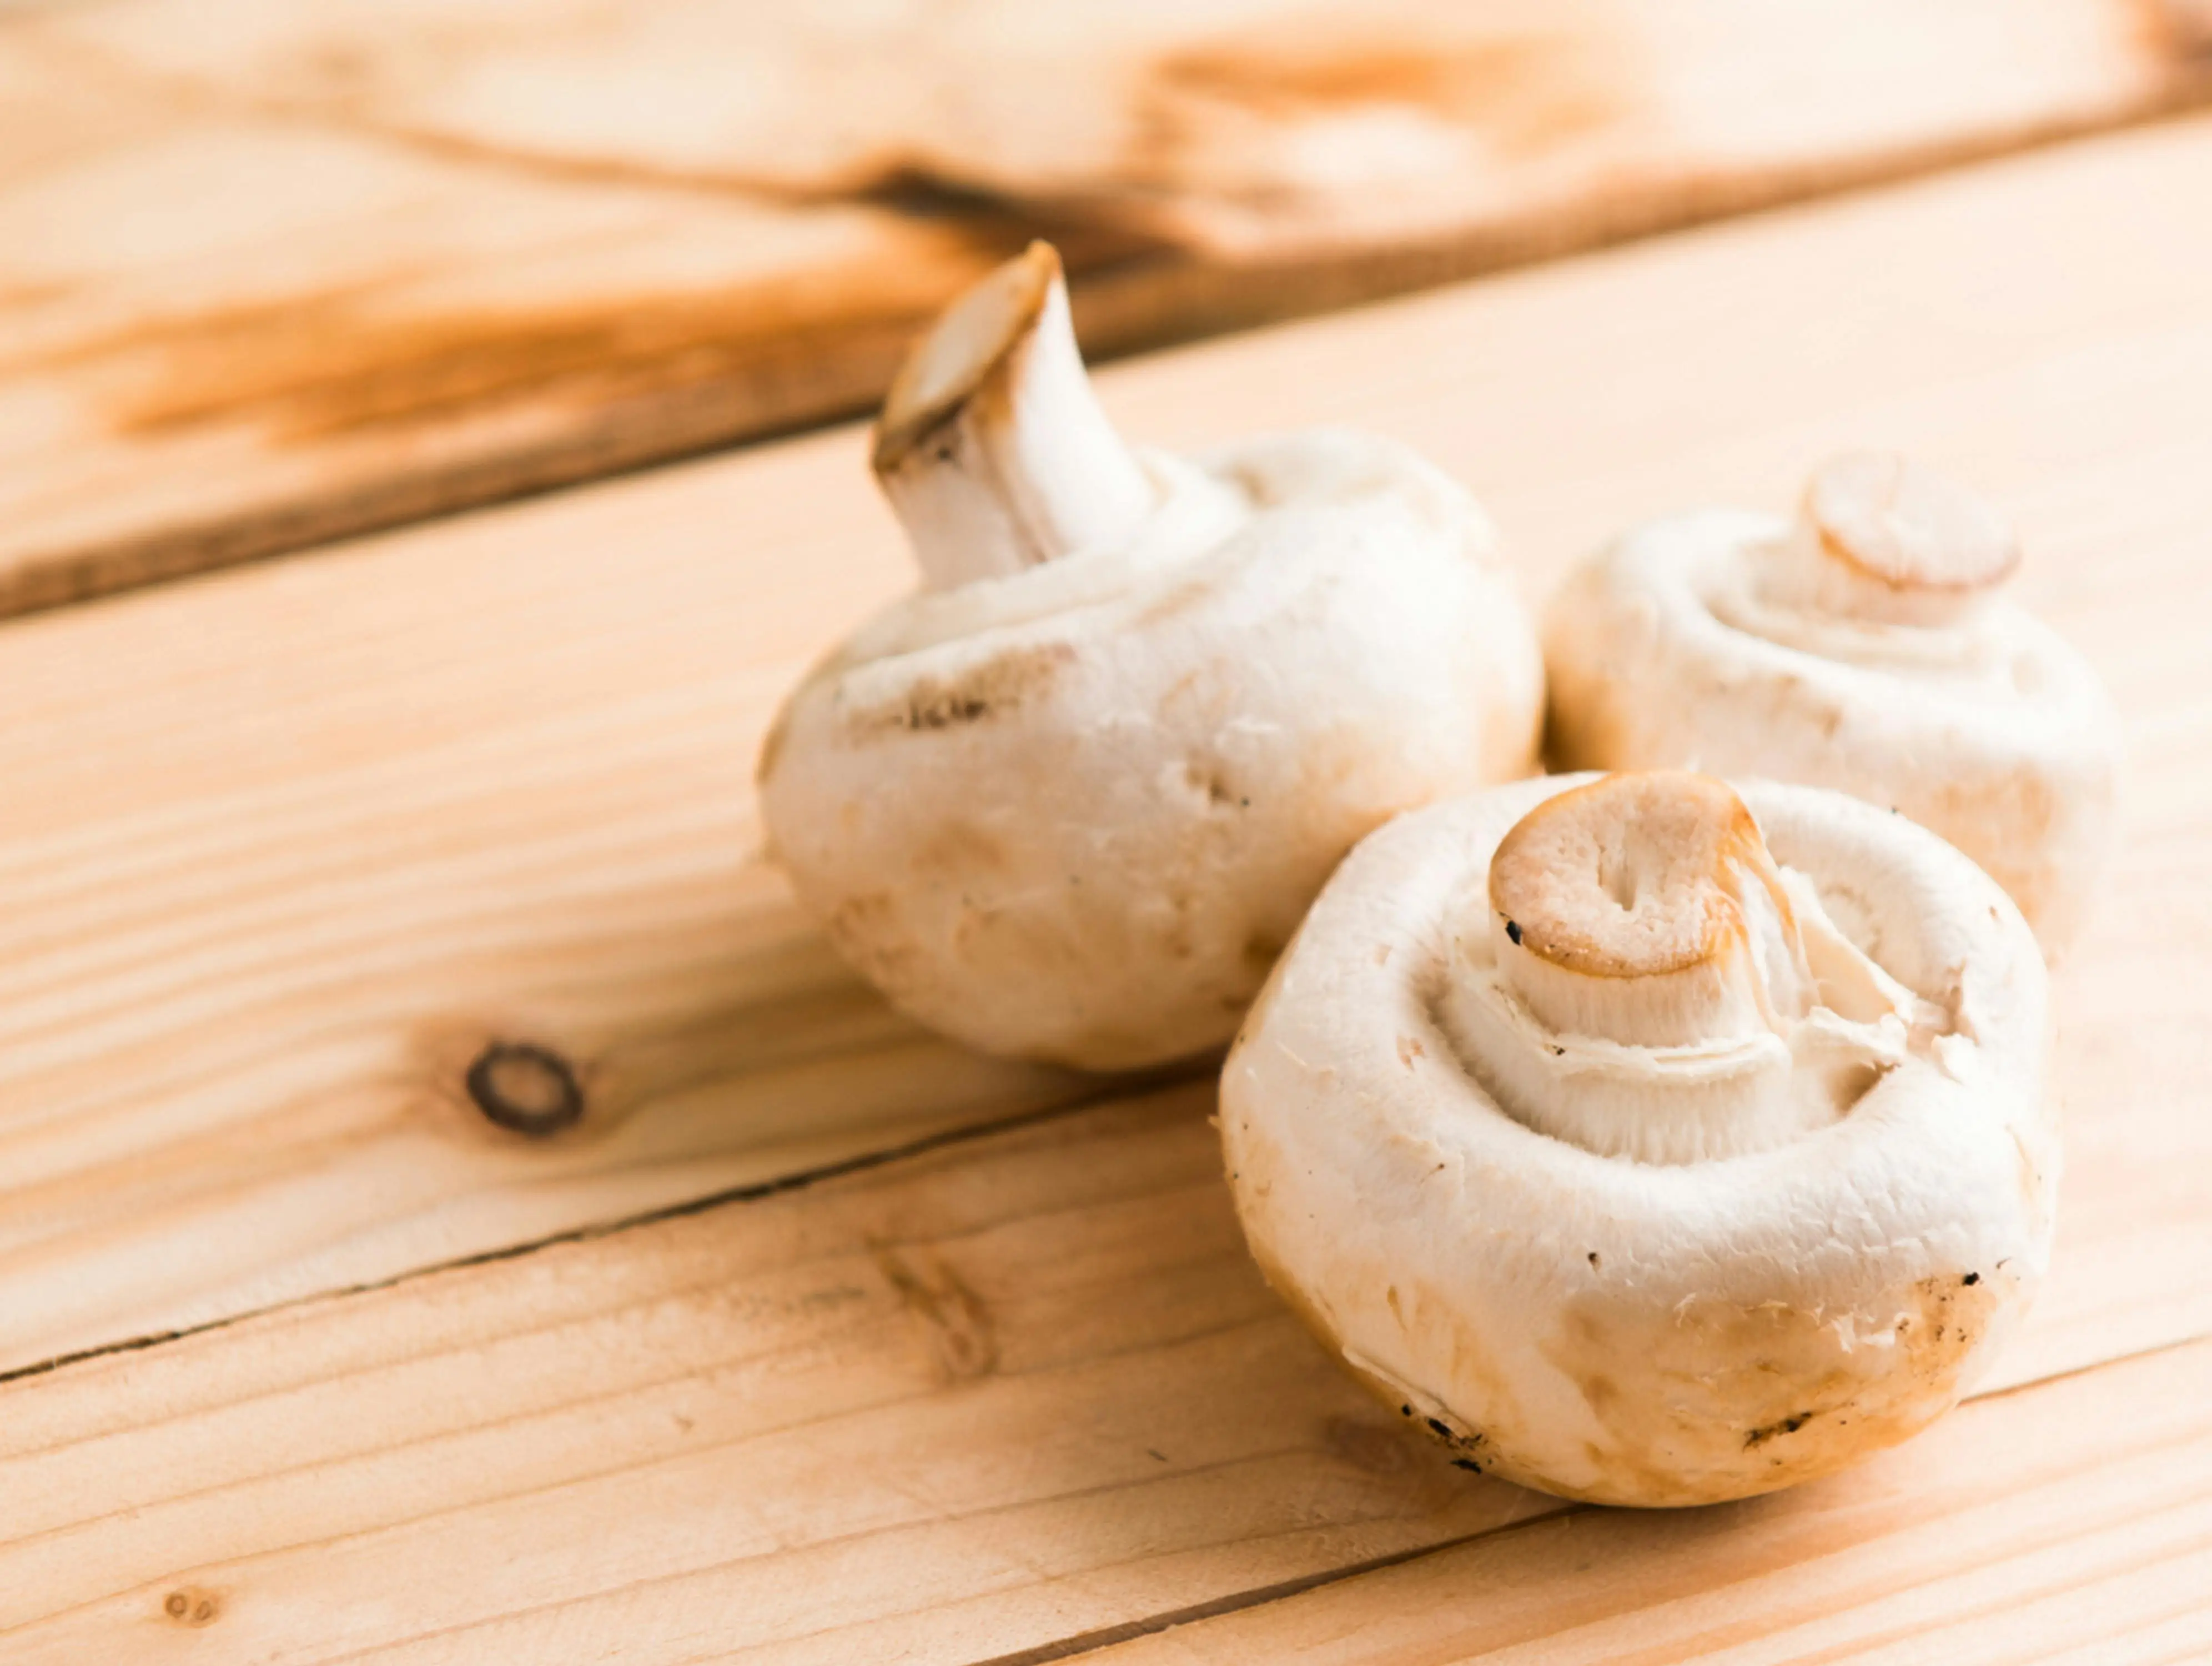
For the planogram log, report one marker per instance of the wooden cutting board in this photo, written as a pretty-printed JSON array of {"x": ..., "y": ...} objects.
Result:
[
  {"x": 272, "y": 273},
  {"x": 815, "y": 1340}
]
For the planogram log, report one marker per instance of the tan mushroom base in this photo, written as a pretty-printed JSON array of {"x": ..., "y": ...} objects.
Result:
[
  {"x": 1638, "y": 1332},
  {"x": 1719, "y": 1403}
]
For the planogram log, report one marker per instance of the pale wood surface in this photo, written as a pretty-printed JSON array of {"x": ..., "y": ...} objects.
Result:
[
  {"x": 986, "y": 1399},
  {"x": 282, "y": 859},
  {"x": 283, "y": 847},
  {"x": 269, "y": 273},
  {"x": 2067, "y": 1522},
  {"x": 1006, "y": 1397}
]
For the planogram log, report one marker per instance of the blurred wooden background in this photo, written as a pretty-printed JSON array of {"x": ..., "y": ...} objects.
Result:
[{"x": 270, "y": 273}]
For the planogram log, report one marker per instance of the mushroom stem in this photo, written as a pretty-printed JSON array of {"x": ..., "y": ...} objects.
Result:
[
  {"x": 1645, "y": 910},
  {"x": 991, "y": 446},
  {"x": 1880, "y": 539},
  {"x": 1653, "y": 985}
]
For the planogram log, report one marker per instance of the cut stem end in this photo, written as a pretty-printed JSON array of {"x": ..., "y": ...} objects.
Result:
[
  {"x": 991, "y": 446},
  {"x": 1644, "y": 909},
  {"x": 1881, "y": 538}
]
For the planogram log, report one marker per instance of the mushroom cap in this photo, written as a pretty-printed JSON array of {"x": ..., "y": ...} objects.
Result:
[
  {"x": 1674, "y": 1331},
  {"x": 1882, "y": 665},
  {"x": 1073, "y": 813}
]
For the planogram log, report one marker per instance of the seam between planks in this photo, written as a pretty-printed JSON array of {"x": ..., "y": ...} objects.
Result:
[
  {"x": 1128, "y": 1631},
  {"x": 857, "y": 1536},
  {"x": 1218, "y": 303},
  {"x": 1079, "y": 1644},
  {"x": 752, "y": 1191}
]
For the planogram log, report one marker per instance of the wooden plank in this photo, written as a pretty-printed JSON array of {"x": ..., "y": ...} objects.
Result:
[
  {"x": 1009, "y": 1392},
  {"x": 269, "y": 274},
  {"x": 993, "y": 1400},
  {"x": 284, "y": 848},
  {"x": 2068, "y": 1521},
  {"x": 262, "y": 926}
]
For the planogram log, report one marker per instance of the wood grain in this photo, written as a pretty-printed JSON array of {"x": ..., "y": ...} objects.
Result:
[
  {"x": 270, "y": 274},
  {"x": 985, "y": 1404},
  {"x": 981, "y": 1399},
  {"x": 260, "y": 926},
  {"x": 285, "y": 848},
  {"x": 2068, "y": 1521}
]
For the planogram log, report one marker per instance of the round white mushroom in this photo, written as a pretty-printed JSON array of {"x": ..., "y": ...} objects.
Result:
[
  {"x": 1866, "y": 648},
  {"x": 1070, "y": 799},
  {"x": 1649, "y": 1143}
]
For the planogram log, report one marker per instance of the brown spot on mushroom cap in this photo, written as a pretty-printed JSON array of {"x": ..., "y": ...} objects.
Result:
[
  {"x": 1002, "y": 682},
  {"x": 1630, "y": 876},
  {"x": 1209, "y": 779},
  {"x": 1906, "y": 526},
  {"x": 1714, "y": 1399},
  {"x": 1177, "y": 598},
  {"x": 956, "y": 850}
]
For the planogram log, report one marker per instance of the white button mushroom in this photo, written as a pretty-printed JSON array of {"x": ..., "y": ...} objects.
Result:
[
  {"x": 1069, "y": 801},
  {"x": 1641, "y": 1164},
  {"x": 1866, "y": 648}
]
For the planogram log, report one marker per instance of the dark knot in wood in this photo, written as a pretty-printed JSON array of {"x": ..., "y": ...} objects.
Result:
[
  {"x": 192, "y": 1605},
  {"x": 526, "y": 1088}
]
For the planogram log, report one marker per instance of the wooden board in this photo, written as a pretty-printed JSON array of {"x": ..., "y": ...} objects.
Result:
[
  {"x": 269, "y": 273},
  {"x": 388, "y": 809},
  {"x": 2063, "y": 1524},
  {"x": 283, "y": 850},
  {"x": 1002, "y": 1395},
  {"x": 995, "y": 1403},
  {"x": 286, "y": 848}
]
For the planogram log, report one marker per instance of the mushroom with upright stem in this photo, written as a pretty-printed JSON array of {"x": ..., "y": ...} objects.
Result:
[
  {"x": 1868, "y": 647},
  {"x": 1651, "y": 1141},
  {"x": 1069, "y": 799}
]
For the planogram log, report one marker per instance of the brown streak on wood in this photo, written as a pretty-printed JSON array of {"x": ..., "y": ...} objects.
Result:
[
  {"x": 1523, "y": 95},
  {"x": 2178, "y": 32},
  {"x": 958, "y": 1326},
  {"x": 311, "y": 368},
  {"x": 289, "y": 846},
  {"x": 1182, "y": 190},
  {"x": 1005, "y": 682}
]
